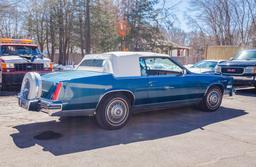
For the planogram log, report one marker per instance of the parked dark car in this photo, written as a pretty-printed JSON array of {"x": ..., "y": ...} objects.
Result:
[{"x": 242, "y": 67}]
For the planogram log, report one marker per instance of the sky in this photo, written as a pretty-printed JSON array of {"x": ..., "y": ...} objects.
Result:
[{"x": 180, "y": 11}]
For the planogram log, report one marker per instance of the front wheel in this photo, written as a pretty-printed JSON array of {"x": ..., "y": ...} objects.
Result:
[
  {"x": 113, "y": 112},
  {"x": 212, "y": 99}
]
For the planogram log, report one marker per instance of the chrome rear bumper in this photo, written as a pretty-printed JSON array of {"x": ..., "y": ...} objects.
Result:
[
  {"x": 49, "y": 107},
  {"x": 53, "y": 108},
  {"x": 43, "y": 105}
]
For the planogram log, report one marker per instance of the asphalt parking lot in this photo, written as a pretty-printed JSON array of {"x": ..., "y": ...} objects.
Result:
[{"x": 177, "y": 137}]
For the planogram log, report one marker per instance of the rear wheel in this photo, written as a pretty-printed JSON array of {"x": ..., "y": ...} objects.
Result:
[
  {"x": 113, "y": 112},
  {"x": 212, "y": 99}
]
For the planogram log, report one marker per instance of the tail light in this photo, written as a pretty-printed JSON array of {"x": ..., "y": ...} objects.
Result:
[{"x": 56, "y": 93}]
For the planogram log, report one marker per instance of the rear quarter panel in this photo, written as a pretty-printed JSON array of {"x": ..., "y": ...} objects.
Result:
[{"x": 85, "y": 93}]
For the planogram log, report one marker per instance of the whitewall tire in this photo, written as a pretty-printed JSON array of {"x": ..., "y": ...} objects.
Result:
[{"x": 113, "y": 112}]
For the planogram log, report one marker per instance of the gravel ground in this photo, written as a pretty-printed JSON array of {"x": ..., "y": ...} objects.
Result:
[{"x": 178, "y": 137}]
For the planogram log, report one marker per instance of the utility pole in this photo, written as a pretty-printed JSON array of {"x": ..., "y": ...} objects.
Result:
[{"x": 88, "y": 29}]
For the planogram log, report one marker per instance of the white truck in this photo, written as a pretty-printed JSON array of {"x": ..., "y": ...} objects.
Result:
[{"x": 17, "y": 57}]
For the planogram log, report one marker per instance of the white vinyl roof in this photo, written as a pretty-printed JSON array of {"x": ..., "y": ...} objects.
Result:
[
  {"x": 139, "y": 54},
  {"x": 120, "y": 64}
]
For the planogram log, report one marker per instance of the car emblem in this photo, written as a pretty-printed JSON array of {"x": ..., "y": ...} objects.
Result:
[
  {"x": 29, "y": 66},
  {"x": 231, "y": 70}
]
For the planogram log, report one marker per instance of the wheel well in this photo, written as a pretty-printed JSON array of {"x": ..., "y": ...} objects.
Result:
[
  {"x": 127, "y": 94},
  {"x": 218, "y": 86}
]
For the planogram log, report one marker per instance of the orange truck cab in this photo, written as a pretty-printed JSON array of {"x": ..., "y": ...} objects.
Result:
[{"x": 17, "y": 57}]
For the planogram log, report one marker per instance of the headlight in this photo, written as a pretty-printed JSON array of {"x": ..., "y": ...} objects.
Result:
[
  {"x": 218, "y": 69},
  {"x": 47, "y": 65},
  {"x": 250, "y": 70},
  {"x": 9, "y": 65}
]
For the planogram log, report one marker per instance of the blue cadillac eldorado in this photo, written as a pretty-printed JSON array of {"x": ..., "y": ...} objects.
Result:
[{"x": 112, "y": 85}]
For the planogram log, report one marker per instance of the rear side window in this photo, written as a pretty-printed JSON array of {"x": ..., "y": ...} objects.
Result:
[{"x": 92, "y": 63}]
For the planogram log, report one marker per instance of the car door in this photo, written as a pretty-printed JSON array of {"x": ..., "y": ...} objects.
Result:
[{"x": 167, "y": 82}]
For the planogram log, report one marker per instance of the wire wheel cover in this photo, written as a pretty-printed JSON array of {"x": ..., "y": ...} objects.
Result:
[{"x": 117, "y": 111}]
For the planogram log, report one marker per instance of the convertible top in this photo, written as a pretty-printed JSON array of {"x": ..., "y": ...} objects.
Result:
[
  {"x": 121, "y": 64},
  {"x": 139, "y": 54}
]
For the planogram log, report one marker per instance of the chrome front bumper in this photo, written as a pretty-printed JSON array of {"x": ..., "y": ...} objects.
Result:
[
  {"x": 244, "y": 80},
  {"x": 44, "y": 105}
]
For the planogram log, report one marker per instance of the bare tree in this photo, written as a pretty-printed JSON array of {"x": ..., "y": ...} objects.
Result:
[{"x": 229, "y": 21}]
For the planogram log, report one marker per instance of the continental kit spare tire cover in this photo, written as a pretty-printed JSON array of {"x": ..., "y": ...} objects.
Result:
[{"x": 31, "y": 87}]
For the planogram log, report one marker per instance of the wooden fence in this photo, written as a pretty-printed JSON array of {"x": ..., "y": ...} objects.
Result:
[{"x": 221, "y": 52}]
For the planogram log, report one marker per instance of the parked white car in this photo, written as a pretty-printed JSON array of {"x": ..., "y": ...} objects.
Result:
[{"x": 204, "y": 66}]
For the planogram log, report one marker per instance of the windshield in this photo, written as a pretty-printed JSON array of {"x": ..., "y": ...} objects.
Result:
[
  {"x": 205, "y": 64},
  {"x": 7, "y": 50},
  {"x": 246, "y": 55}
]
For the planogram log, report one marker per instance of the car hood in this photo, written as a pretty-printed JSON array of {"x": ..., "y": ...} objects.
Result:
[
  {"x": 18, "y": 59},
  {"x": 70, "y": 75},
  {"x": 200, "y": 70},
  {"x": 242, "y": 63}
]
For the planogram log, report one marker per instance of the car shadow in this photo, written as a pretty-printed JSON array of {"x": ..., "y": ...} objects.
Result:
[
  {"x": 246, "y": 92},
  {"x": 82, "y": 133}
]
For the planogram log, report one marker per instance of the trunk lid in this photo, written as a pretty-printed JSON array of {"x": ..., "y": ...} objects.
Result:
[
  {"x": 57, "y": 77},
  {"x": 50, "y": 80}
]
